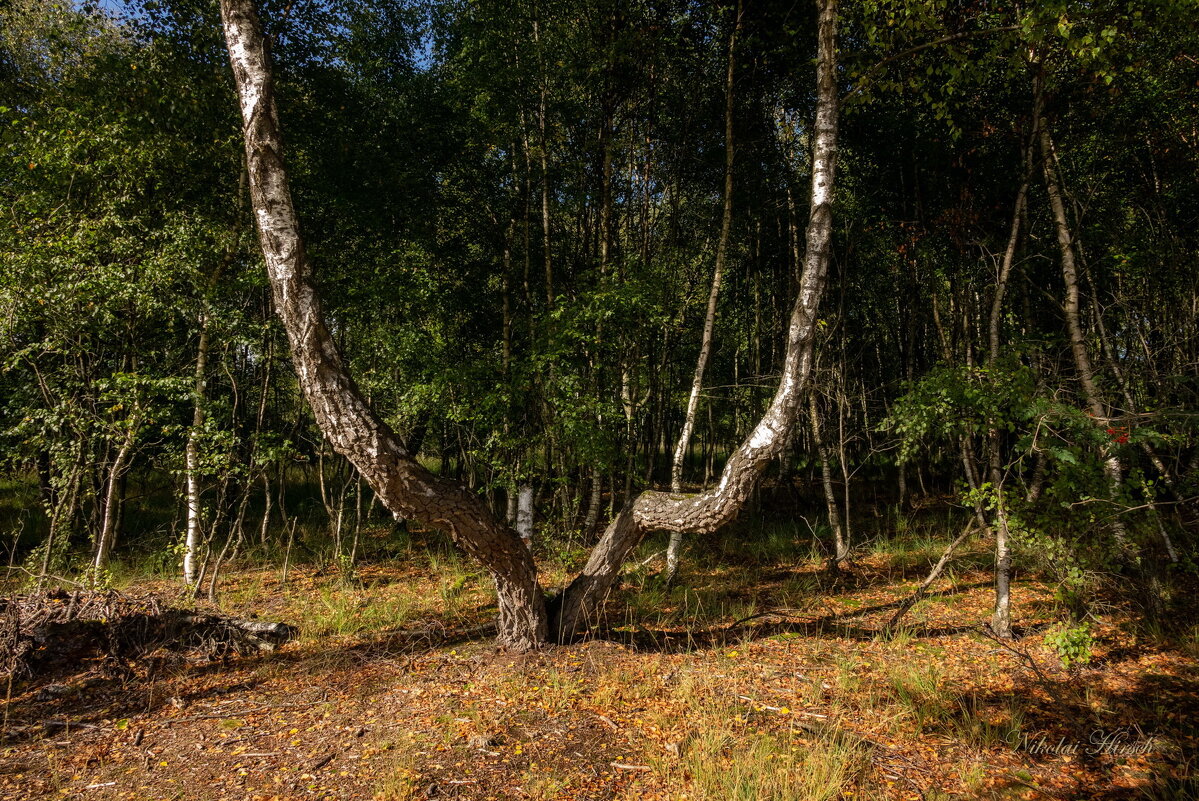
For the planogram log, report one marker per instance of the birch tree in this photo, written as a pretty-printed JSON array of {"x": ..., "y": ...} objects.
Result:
[
  {"x": 705, "y": 343},
  {"x": 408, "y": 488}
]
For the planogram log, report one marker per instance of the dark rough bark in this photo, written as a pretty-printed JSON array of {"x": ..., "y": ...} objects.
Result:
[
  {"x": 400, "y": 482},
  {"x": 708, "y": 511}
]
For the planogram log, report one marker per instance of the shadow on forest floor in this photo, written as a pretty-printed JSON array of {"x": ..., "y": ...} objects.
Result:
[
  {"x": 779, "y": 658},
  {"x": 834, "y": 625}
]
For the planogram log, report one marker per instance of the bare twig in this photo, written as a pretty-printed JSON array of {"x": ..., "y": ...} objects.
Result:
[
  {"x": 648, "y": 559},
  {"x": 1027, "y": 660},
  {"x": 932, "y": 576},
  {"x": 608, "y": 722}
]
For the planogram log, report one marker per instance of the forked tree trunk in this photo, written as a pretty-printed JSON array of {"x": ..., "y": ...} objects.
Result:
[
  {"x": 708, "y": 511},
  {"x": 406, "y": 487},
  {"x": 705, "y": 344},
  {"x": 401, "y": 483},
  {"x": 109, "y": 525}
]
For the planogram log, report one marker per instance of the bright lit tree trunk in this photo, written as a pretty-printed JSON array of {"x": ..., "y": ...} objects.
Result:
[
  {"x": 192, "y": 459},
  {"x": 401, "y": 482},
  {"x": 706, "y": 512}
]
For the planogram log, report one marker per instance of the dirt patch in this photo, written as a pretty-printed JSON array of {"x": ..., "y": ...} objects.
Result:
[{"x": 772, "y": 704}]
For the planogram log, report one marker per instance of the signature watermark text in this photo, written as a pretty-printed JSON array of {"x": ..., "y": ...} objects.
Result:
[{"x": 1116, "y": 742}]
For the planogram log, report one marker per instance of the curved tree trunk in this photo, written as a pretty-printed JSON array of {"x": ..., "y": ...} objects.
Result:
[
  {"x": 708, "y": 511},
  {"x": 352, "y": 428}
]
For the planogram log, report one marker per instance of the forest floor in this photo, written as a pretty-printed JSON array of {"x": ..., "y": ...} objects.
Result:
[{"x": 744, "y": 681}]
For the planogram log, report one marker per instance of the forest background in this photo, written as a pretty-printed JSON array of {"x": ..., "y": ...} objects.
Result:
[{"x": 559, "y": 245}]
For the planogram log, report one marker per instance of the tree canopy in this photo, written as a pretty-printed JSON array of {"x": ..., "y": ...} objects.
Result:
[{"x": 512, "y": 214}]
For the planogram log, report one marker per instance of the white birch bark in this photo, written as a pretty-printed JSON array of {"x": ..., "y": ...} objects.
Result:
[
  {"x": 191, "y": 547},
  {"x": 354, "y": 431},
  {"x": 393, "y": 473},
  {"x": 708, "y": 511}
]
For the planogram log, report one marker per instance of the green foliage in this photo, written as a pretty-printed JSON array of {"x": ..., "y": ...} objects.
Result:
[
  {"x": 1072, "y": 643},
  {"x": 951, "y": 402},
  {"x": 509, "y": 347}
]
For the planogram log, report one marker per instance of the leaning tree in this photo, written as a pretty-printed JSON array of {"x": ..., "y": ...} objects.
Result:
[{"x": 526, "y": 618}]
